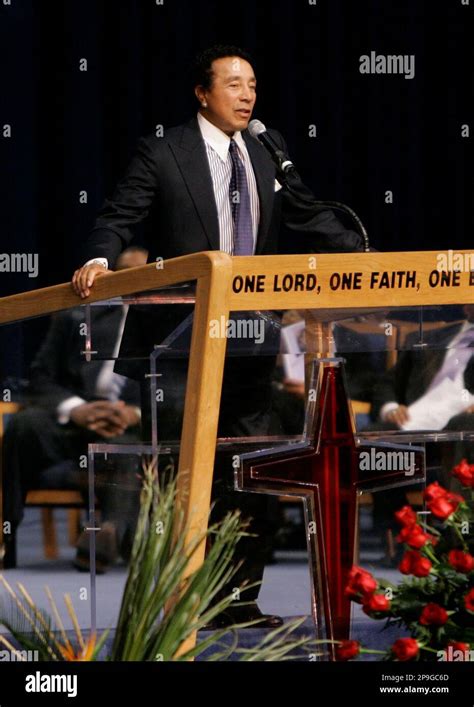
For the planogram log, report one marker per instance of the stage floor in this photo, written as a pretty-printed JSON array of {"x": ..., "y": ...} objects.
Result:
[{"x": 285, "y": 590}]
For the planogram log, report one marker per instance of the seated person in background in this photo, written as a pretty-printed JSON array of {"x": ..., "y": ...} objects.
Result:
[
  {"x": 429, "y": 389},
  {"x": 75, "y": 402},
  {"x": 364, "y": 357},
  {"x": 362, "y": 361}
]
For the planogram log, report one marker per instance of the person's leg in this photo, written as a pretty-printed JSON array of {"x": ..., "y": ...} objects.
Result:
[
  {"x": 118, "y": 493},
  {"x": 258, "y": 512},
  {"x": 245, "y": 411},
  {"x": 33, "y": 443},
  {"x": 117, "y": 485}
]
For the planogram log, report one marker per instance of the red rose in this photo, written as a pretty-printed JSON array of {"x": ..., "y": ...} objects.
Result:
[
  {"x": 457, "y": 646},
  {"x": 465, "y": 473},
  {"x": 433, "y": 615},
  {"x": 405, "y": 649},
  {"x": 406, "y": 516},
  {"x": 346, "y": 650},
  {"x": 443, "y": 507},
  {"x": 414, "y": 563},
  {"x": 405, "y": 564},
  {"x": 442, "y": 503},
  {"x": 434, "y": 491},
  {"x": 469, "y": 600},
  {"x": 457, "y": 497},
  {"x": 360, "y": 582},
  {"x": 413, "y": 536},
  {"x": 461, "y": 561},
  {"x": 376, "y": 602}
]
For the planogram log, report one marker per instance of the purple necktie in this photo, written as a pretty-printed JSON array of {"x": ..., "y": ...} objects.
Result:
[{"x": 240, "y": 204}]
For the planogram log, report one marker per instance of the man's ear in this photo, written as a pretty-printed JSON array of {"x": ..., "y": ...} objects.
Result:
[{"x": 199, "y": 93}]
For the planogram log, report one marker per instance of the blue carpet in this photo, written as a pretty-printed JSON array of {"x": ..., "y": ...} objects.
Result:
[{"x": 285, "y": 590}]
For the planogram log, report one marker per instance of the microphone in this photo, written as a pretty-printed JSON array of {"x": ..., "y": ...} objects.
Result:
[
  {"x": 293, "y": 182},
  {"x": 258, "y": 130}
]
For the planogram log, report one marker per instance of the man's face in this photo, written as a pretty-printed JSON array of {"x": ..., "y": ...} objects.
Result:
[{"x": 231, "y": 97}]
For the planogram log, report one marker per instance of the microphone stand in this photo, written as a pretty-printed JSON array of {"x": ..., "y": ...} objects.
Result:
[{"x": 287, "y": 169}]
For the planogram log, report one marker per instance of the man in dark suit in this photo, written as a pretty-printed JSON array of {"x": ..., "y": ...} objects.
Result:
[
  {"x": 208, "y": 185},
  {"x": 74, "y": 402}
]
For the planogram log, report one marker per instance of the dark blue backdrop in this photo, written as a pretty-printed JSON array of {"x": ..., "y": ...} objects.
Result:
[{"x": 75, "y": 130}]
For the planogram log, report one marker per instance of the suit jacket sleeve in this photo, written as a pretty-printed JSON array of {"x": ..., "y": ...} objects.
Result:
[
  {"x": 55, "y": 373},
  {"x": 48, "y": 383},
  {"x": 129, "y": 205},
  {"x": 131, "y": 393},
  {"x": 392, "y": 387},
  {"x": 326, "y": 234}
]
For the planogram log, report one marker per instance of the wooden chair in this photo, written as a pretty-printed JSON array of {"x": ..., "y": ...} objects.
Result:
[{"x": 46, "y": 499}]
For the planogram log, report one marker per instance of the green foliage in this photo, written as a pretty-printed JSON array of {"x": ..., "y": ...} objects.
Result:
[
  {"x": 159, "y": 611},
  {"x": 437, "y": 610}
]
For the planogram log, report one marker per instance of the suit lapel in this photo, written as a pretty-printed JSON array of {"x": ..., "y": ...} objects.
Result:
[
  {"x": 191, "y": 157},
  {"x": 265, "y": 178},
  {"x": 190, "y": 154}
]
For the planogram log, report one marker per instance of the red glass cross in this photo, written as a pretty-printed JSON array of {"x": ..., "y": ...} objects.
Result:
[{"x": 328, "y": 471}]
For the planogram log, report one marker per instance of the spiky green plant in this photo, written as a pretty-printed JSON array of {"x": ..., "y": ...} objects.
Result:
[
  {"x": 34, "y": 630},
  {"x": 145, "y": 631}
]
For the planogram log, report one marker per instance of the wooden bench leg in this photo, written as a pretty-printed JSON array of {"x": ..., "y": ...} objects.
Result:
[
  {"x": 49, "y": 534},
  {"x": 73, "y": 523}
]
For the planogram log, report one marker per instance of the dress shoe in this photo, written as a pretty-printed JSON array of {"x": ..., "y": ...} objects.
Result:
[
  {"x": 8, "y": 552},
  {"x": 243, "y": 613},
  {"x": 106, "y": 551},
  {"x": 126, "y": 544}
]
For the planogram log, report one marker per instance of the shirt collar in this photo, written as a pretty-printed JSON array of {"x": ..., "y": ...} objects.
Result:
[{"x": 217, "y": 139}]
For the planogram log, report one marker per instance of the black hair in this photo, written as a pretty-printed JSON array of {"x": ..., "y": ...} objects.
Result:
[{"x": 202, "y": 73}]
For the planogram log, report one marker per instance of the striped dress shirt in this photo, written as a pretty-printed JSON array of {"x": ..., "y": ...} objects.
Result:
[{"x": 220, "y": 164}]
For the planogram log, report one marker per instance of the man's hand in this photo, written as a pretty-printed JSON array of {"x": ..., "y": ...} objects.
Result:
[
  {"x": 470, "y": 409},
  {"x": 123, "y": 415},
  {"x": 104, "y": 417},
  {"x": 83, "y": 279},
  {"x": 398, "y": 416}
]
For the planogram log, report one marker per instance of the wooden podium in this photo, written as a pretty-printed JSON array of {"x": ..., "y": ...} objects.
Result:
[{"x": 226, "y": 284}]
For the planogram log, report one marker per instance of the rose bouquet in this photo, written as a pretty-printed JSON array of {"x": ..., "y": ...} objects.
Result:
[{"x": 435, "y": 602}]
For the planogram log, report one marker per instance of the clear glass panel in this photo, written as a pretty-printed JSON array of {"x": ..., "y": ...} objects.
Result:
[{"x": 284, "y": 428}]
